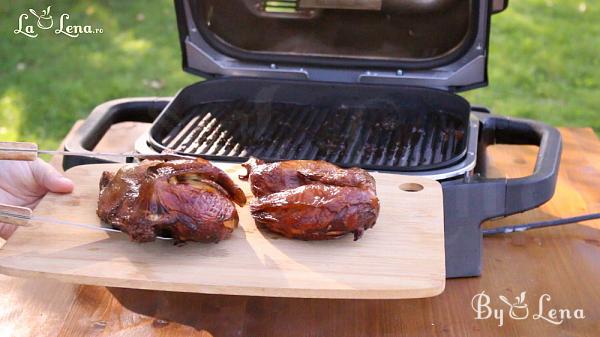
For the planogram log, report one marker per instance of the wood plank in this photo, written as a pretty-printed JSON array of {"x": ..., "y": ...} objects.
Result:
[{"x": 401, "y": 257}]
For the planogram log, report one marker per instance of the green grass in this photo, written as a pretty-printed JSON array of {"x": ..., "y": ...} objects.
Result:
[
  {"x": 64, "y": 79},
  {"x": 544, "y": 64}
]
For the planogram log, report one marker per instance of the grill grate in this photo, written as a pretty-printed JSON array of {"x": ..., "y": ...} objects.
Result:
[{"x": 376, "y": 138}]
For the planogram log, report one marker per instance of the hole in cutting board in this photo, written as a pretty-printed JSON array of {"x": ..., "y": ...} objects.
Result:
[{"x": 411, "y": 187}]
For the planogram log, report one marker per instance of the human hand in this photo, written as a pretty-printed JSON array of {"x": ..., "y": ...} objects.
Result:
[{"x": 24, "y": 183}]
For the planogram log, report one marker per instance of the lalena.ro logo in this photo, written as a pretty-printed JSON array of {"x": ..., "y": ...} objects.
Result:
[
  {"x": 30, "y": 24},
  {"x": 519, "y": 309}
]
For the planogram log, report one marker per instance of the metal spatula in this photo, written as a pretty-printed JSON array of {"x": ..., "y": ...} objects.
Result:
[
  {"x": 22, "y": 216},
  {"x": 30, "y": 151}
]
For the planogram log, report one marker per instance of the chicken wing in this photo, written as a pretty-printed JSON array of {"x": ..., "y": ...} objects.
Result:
[{"x": 191, "y": 200}]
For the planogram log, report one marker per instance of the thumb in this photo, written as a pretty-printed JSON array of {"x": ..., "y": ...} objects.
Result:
[{"x": 49, "y": 178}]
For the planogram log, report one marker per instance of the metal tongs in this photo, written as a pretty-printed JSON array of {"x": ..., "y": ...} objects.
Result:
[
  {"x": 21, "y": 151},
  {"x": 26, "y": 151},
  {"x": 22, "y": 217}
]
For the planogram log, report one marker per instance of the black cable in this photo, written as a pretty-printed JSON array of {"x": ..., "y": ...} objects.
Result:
[{"x": 540, "y": 224}]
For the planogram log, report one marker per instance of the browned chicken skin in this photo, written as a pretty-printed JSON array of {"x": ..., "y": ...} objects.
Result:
[
  {"x": 192, "y": 200},
  {"x": 312, "y": 200},
  {"x": 275, "y": 177}
]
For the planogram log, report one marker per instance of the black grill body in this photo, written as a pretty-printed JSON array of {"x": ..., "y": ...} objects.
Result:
[{"x": 469, "y": 198}]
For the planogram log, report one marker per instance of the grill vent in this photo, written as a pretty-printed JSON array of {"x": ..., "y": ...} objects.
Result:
[
  {"x": 280, "y": 6},
  {"x": 375, "y": 138}
]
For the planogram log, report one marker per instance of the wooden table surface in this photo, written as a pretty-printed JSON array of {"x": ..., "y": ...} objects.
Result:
[{"x": 563, "y": 262}]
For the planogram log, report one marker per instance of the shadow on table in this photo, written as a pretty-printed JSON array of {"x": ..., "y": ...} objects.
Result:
[{"x": 267, "y": 316}]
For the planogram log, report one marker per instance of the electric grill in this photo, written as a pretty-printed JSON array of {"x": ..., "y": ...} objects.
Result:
[{"x": 357, "y": 83}]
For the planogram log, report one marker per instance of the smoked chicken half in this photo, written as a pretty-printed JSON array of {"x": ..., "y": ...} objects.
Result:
[
  {"x": 190, "y": 200},
  {"x": 311, "y": 200}
]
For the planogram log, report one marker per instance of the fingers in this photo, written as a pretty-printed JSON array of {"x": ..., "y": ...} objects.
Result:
[
  {"x": 48, "y": 177},
  {"x": 6, "y": 230}
]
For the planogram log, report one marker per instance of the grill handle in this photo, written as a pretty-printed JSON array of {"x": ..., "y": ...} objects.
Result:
[
  {"x": 469, "y": 202},
  {"x": 531, "y": 191},
  {"x": 85, "y": 139}
]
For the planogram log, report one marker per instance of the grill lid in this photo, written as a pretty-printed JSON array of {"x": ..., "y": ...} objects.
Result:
[{"x": 435, "y": 43}]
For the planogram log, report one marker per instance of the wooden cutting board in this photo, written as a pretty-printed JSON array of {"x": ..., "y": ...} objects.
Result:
[{"x": 401, "y": 257}]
